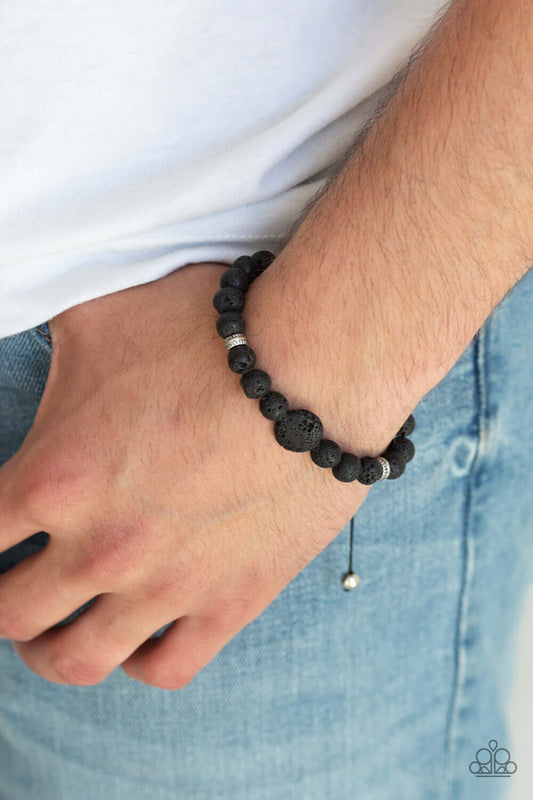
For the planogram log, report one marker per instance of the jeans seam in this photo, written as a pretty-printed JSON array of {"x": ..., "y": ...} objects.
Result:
[
  {"x": 467, "y": 549},
  {"x": 48, "y": 339}
]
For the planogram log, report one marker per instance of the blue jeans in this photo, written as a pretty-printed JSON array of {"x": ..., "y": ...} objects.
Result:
[{"x": 384, "y": 692}]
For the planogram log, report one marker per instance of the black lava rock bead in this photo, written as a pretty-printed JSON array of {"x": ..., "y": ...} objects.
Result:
[
  {"x": 260, "y": 261},
  {"x": 371, "y": 470},
  {"x": 348, "y": 468},
  {"x": 234, "y": 277},
  {"x": 273, "y": 406},
  {"x": 405, "y": 448},
  {"x": 326, "y": 454},
  {"x": 229, "y": 322},
  {"x": 396, "y": 462},
  {"x": 228, "y": 299},
  {"x": 298, "y": 430},
  {"x": 244, "y": 263},
  {"x": 407, "y": 427},
  {"x": 256, "y": 383},
  {"x": 241, "y": 358}
]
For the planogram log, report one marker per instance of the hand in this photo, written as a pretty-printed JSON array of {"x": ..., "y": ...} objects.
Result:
[{"x": 163, "y": 490}]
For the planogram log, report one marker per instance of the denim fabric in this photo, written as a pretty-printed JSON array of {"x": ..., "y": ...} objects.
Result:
[{"x": 384, "y": 692}]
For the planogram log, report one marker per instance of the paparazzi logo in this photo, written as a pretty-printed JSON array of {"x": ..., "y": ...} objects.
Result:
[{"x": 493, "y": 762}]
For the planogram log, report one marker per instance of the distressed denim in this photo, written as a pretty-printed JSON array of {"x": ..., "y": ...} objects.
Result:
[{"x": 384, "y": 692}]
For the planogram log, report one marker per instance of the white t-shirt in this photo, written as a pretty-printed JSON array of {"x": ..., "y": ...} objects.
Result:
[{"x": 140, "y": 136}]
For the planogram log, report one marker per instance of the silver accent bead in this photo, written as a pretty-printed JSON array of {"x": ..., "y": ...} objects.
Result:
[
  {"x": 235, "y": 339},
  {"x": 386, "y": 468},
  {"x": 350, "y": 581}
]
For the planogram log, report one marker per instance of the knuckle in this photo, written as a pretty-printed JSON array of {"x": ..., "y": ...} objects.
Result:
[
  {"x": 34, "y": 493},
  {"x": 230, "y": 609},
  {"x": 77, "y": 671},
  {"x": 178, "y": 581},
  {"x": 228, "y": 614},
  {"x": 16, "y": 628},
  {"x": 50, "y": 488},
  {"x": 115, "y": 553},
  {"x": 162, "y": 678}
]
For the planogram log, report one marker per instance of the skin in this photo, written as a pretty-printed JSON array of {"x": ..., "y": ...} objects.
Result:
[{"x": 162, "y": 487}]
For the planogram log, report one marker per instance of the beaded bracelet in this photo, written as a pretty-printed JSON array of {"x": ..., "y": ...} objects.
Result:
[{"x": 297, "y": 430}]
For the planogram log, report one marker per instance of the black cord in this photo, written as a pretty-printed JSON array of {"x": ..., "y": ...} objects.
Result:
[{"x": 351, "y": 546}]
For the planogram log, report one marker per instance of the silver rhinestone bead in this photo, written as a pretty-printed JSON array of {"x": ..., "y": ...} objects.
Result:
[
  {"x": 235, "y": 339},
  {"x": 350, "y": 580},
  {"x": 386, "y": 468}
]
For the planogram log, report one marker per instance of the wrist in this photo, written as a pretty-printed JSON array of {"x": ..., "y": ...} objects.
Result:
[{"x": 320, "y": 360}]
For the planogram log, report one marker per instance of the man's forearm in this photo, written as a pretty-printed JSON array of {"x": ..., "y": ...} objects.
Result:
[{"x": 426, "y": 228}]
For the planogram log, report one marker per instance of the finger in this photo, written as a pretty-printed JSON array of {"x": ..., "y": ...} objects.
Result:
[
  {"x": 14, "y": 530},
  {"x": 41, "y": 591},
  {"x": 88, "y": 649},
  {"x": 172, "y": 660},
  {"x": 40, "y": 491},
  {"x": 15, "y": 523}
]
